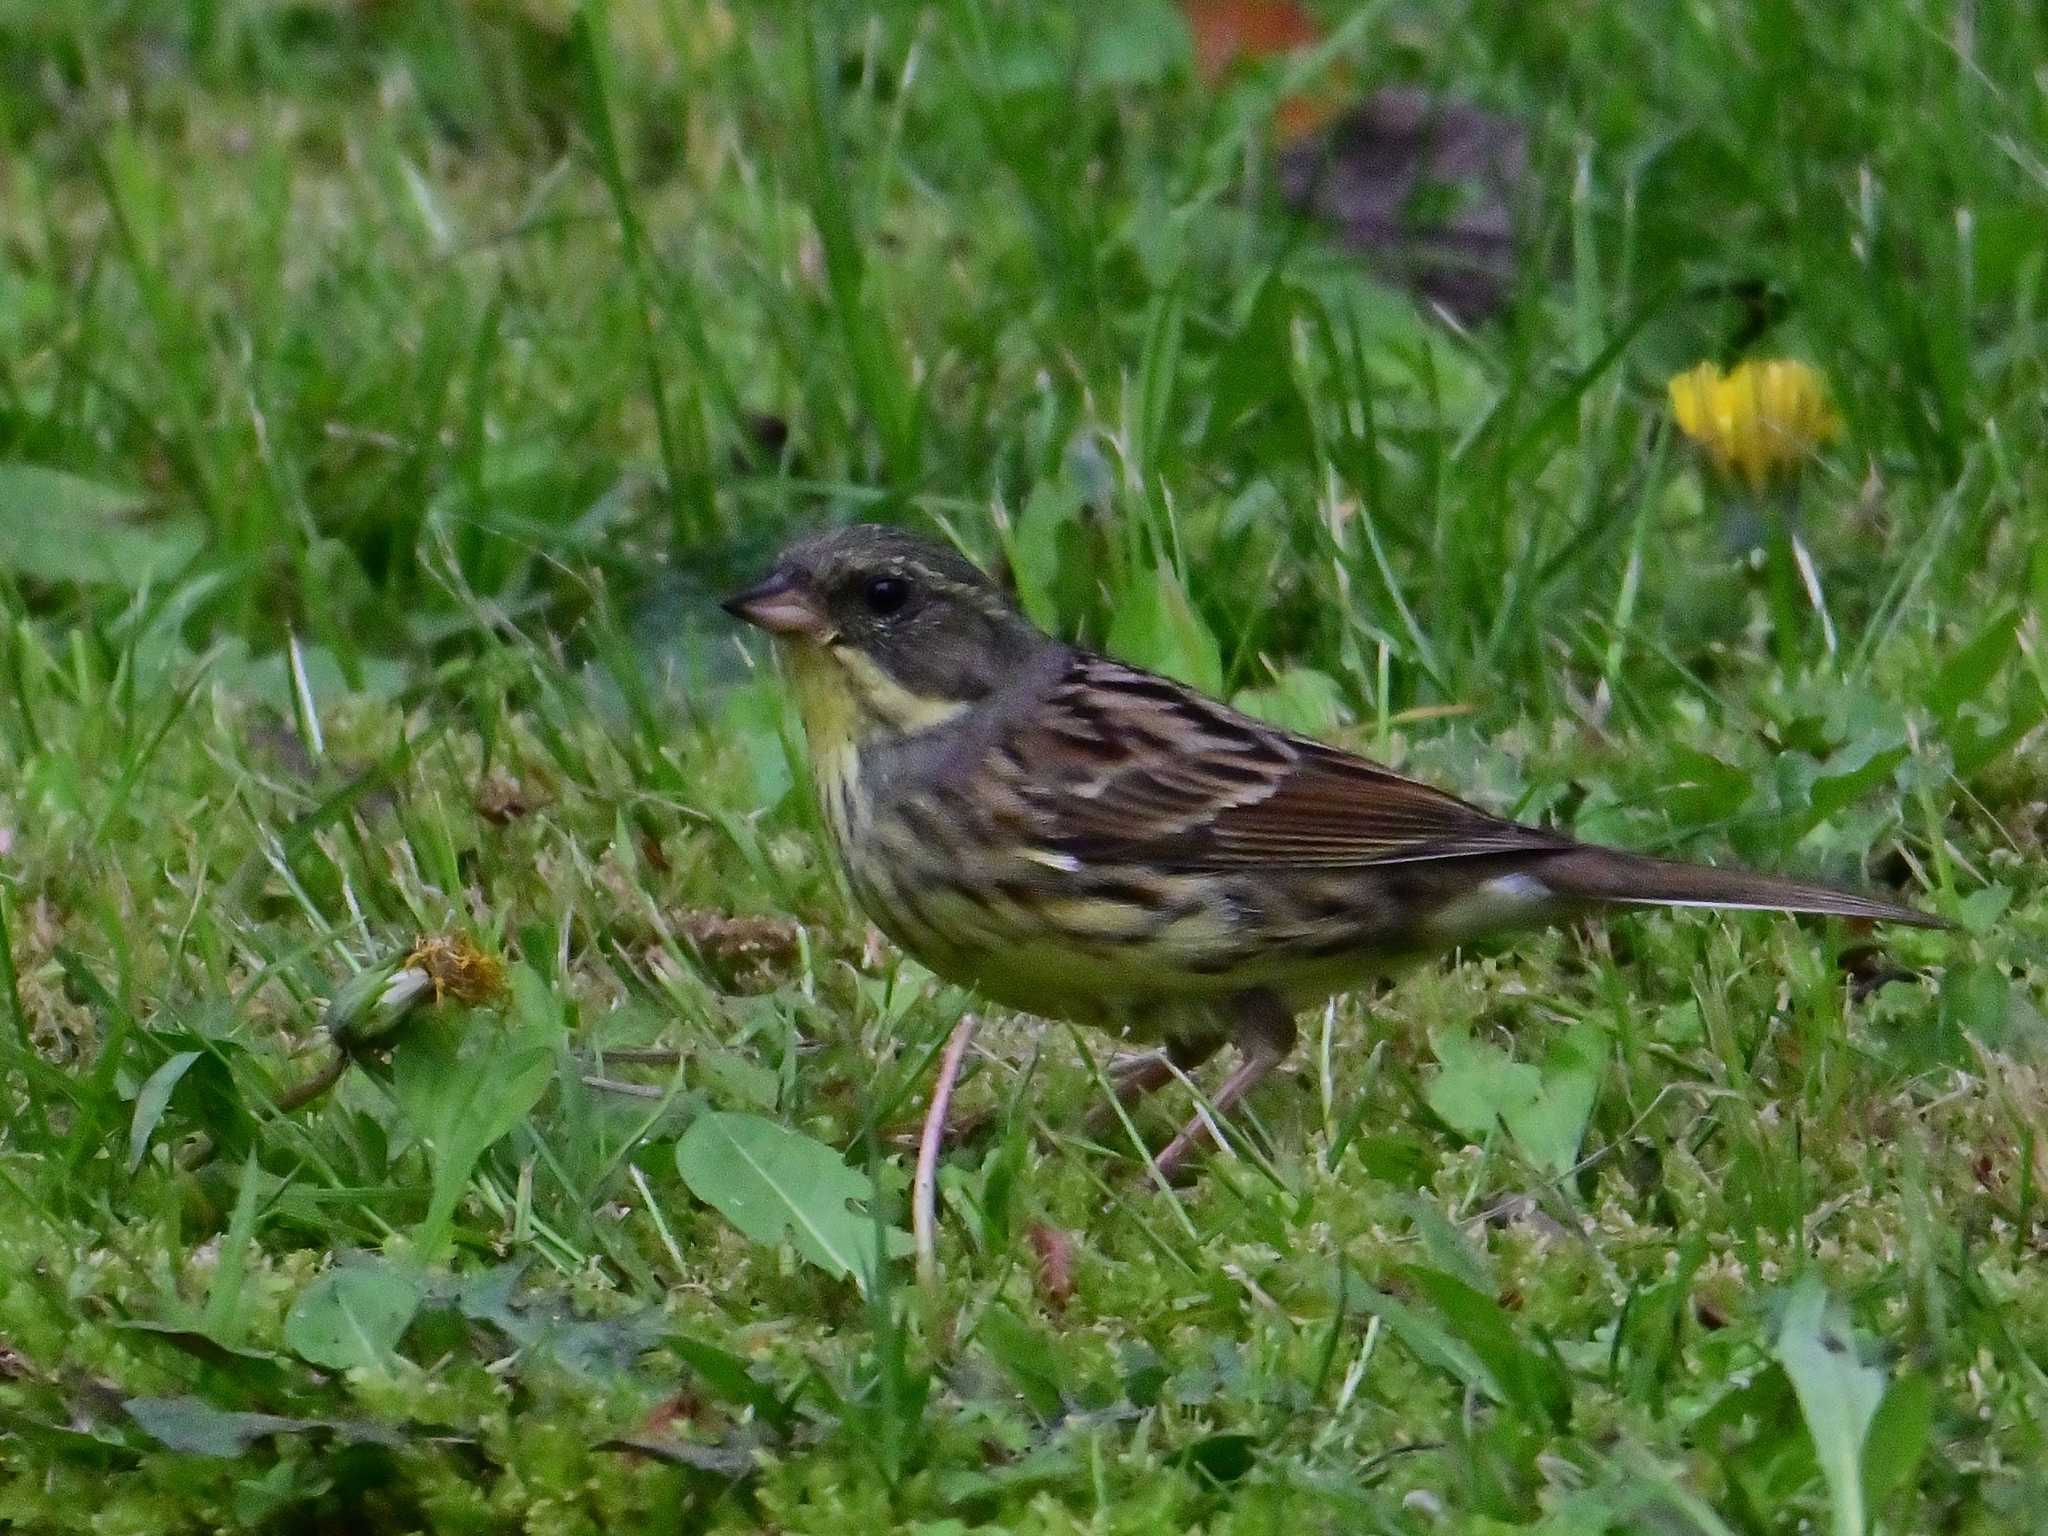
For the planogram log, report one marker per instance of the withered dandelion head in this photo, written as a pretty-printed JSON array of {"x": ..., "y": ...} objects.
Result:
[
  {"x": 457, "y": 969},
  {"x": 371, "y": 1004},
  {"x": 1757, "y": 421}
]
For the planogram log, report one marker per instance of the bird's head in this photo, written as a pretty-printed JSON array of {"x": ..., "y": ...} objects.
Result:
[{"x": 905, "y": 633}]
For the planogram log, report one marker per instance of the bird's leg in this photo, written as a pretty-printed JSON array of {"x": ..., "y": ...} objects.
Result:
[
  {"x": 1264, "y": 1034},
  {"x": 1134, "y": 1079}
]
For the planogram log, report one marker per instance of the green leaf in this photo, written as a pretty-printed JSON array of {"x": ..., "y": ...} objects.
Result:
[
  {"x": 1978, "y": 913},
  {"x": 1255, "y": 376},
  {"x": 545, "y": 1323},
  {"x": 193, "y": 1427},
  {"x": 1223, "y": 1458},
  {"x": 770, "y": 1181},
  {"x": 1976, "y": 1001},
  {"x": 1545, "y": 1110},
  {"x": 352, "y": 1316},
  {"x": 1430, "y": 1343},
  {"x": 461, "y": 1103},
  {"x": 1835, "y": 791},
  {"x": 151, "y": 1102},
  {"x": 1529, "y": 1379},
  {"x": 1156, "y": 627},
  {"x": 57, "y": 526},
  {"x": 196, "y": 1428},
  {"x": 1299, "y": 699},
  {"x": 1708, "y": 789},
  {"x": 1036, "y": 549},
  {"x": 269, "y": 677},
  {"x": 1550, "y": 1127},
  {"x": 1477, "y": 1085},
  {"x": 1140, "y": 42},
  {"x": 729, "y": 1378},
  {"x": 1898, "y": 1439},
  {"x": 1448, "y": 1248},
  {"x": 1964, "y": 677},
  {"x": 1838, "y": 1394},
  {"x": 1025, "y": 1356}
]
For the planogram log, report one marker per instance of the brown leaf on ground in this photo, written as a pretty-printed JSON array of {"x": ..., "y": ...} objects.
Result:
[{"x": 1423, "y": 185}]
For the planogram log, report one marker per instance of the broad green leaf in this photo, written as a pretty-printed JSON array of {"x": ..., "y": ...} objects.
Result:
[
  {"x": 1978, "y": 913},
  {"x": 1965, "y": 675},
  {"x": 1448, "y": 1248},
  {"x": 1834, "y": 791},
  {"x": 772, "y": 1182},
  {"x": 1838, "y": 1394},
  {"x": 462, "y": 1103},
  {"x": 151, "y": 1102},
  {"x": 1898, "y": 1438},
  {"x": 1255, "y": 370},
  {"x": 269, "y": 677},
  {"x": 1544, "y": 1109},
  {"x": 1701, "y": 788},
  {"x": 57, "y": 526},
  {"x": 194, "y": 1427},
  {"x": 1035, "y": 549},
  {"x": 1223, "y": 1458},
  {"x": 352, "y": 1316},
  {"x": 732, "y": 1379},
  {"x": 1529, "y": 1379},
  {"x": 1139, "y": 42},
  {"x": 1549, "y": 1127},
  {"x": 1976, "y": 1002},
  {"x": 1431, "y": 1343},
  {"x": 1025, "y": 1355},
  {"x": 546, "y": 1323},
  {"x": 1299, "y": 699},
  {"x": 1156, "y": 627},
  {"x": 1477, "y": 1083}
]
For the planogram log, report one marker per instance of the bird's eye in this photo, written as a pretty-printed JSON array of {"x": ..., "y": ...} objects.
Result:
[{"x": 885, "y": 595}]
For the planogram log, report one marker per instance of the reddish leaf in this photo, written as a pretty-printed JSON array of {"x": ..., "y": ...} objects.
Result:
[
  {"x": 1055, "y": 1252},
  {"x": 1226, "y": 30}
]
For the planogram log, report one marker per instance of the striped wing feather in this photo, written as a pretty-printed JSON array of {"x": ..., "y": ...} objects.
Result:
[{"x": 1127, "y": 765}]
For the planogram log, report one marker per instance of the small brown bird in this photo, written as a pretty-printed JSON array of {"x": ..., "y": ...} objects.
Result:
[{"x": 1082, "y": 840}]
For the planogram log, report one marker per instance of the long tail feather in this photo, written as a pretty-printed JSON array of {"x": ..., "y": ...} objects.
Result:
[{"x": 1607, "y": 874}]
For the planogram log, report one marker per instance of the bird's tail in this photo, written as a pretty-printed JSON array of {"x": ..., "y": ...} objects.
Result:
[{"x": 1607, "y": 874}]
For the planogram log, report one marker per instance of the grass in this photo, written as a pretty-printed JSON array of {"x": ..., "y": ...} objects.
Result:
[{"x": 385, "y": 388}]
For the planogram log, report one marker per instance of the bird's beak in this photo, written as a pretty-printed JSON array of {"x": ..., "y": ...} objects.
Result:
[{"x": 780, "y": 606}]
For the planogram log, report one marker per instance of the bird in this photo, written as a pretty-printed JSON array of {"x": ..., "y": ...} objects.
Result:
[{"x": 1082, "y": 840}]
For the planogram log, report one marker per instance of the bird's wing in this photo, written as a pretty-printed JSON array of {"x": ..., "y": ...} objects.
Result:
[{"x": 1120, "y": 764}]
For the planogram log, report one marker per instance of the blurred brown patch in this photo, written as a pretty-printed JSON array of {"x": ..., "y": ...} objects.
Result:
[
  {"x": 1226, "y": 31},
  {"x": 1868, "y": 967},
  {"x": 501, "y": 799},
  {"x": 1421, "y": 184},
  {"x": 1425, "y": 187},
  {"x": 742, "y": 949}
]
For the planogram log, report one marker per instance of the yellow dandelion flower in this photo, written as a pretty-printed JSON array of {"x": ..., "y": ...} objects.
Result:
[{"x": 1759, "y": 420}]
